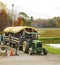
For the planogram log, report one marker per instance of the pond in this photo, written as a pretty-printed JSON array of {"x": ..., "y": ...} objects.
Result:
[{"x": 55, "y": 45}]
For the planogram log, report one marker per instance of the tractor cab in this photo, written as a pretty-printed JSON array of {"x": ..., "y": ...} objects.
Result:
[{"x": 32, "y": 36}]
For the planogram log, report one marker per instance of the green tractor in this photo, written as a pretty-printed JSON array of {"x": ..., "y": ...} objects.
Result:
[{"x": 33, "y": 45}]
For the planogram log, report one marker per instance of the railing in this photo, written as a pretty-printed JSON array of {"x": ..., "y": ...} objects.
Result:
[
  {"x": 14, "y": 39},
  {"x": 6, "y": 38},
  {"x": 11, "y": 39}
]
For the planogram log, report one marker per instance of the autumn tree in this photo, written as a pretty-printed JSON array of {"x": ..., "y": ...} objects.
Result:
[
  {"x": 4, "y": 17},
  {"x": 24, "y": 19}
]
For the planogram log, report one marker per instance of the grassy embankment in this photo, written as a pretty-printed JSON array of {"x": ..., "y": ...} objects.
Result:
[
  {"x": 50, "y": 35},
  {"x": 52, "y": 50}
]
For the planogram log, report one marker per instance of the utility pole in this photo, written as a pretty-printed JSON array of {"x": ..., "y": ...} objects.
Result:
[{"x": 12, "y": 14}]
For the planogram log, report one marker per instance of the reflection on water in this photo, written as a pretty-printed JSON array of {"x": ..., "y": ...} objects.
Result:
[{"x": 55, "y": 45}]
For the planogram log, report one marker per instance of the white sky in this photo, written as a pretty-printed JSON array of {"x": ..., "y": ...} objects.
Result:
[{"x": 36, "y": 8}]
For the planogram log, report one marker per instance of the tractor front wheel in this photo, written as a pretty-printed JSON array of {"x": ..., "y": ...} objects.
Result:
[{"x": 44, "y": 51}]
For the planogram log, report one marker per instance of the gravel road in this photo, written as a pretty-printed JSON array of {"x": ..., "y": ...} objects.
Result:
[{"x": 25, "y": 59}]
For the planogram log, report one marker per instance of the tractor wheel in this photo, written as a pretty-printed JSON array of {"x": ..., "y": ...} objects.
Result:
[
  {"x": 25, "y": 46},
  {"x": 30, "y": 51},
  {"x": 4, "y": 43},
  {"x": 44, "y": 51}
]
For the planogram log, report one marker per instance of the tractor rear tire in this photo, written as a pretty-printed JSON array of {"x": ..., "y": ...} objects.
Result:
[
  {"x": 30, "y": 51},
  {"x": 44, "y": 51},
  {"x": 25, "y": 46}
]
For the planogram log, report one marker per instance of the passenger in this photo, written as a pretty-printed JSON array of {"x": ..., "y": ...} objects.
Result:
[{"x": 1, "y": 38}]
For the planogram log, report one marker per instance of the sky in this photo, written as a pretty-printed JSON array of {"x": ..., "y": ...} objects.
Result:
[{"x": 37, "y": 8}]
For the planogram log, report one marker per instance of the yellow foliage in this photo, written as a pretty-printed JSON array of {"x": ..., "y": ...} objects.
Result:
[{"x": 21, "y": 23}]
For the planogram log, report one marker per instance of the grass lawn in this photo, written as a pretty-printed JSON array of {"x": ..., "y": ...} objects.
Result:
[
  {"x": 49, "y": 32},
  {"x": 52, "y": 50},
  {"x": 49, "y": 35}
]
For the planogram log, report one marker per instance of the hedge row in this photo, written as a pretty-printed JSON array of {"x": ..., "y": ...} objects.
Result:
[{"x": 50, "y": 40}]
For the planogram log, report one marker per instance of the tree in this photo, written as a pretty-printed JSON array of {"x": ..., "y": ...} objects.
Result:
[
  {"x": 24, "y": 19},
  {"x": 5, "y": 19},
  {"x": 20, "y": 21}
]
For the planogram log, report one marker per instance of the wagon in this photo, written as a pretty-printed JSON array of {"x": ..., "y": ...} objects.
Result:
[{"x": 16, "y": 35}]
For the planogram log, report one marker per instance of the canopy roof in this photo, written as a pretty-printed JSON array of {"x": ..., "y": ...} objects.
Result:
[
  {"x": 18, "y": 29},
  {"x": 8, "y": 29}
]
